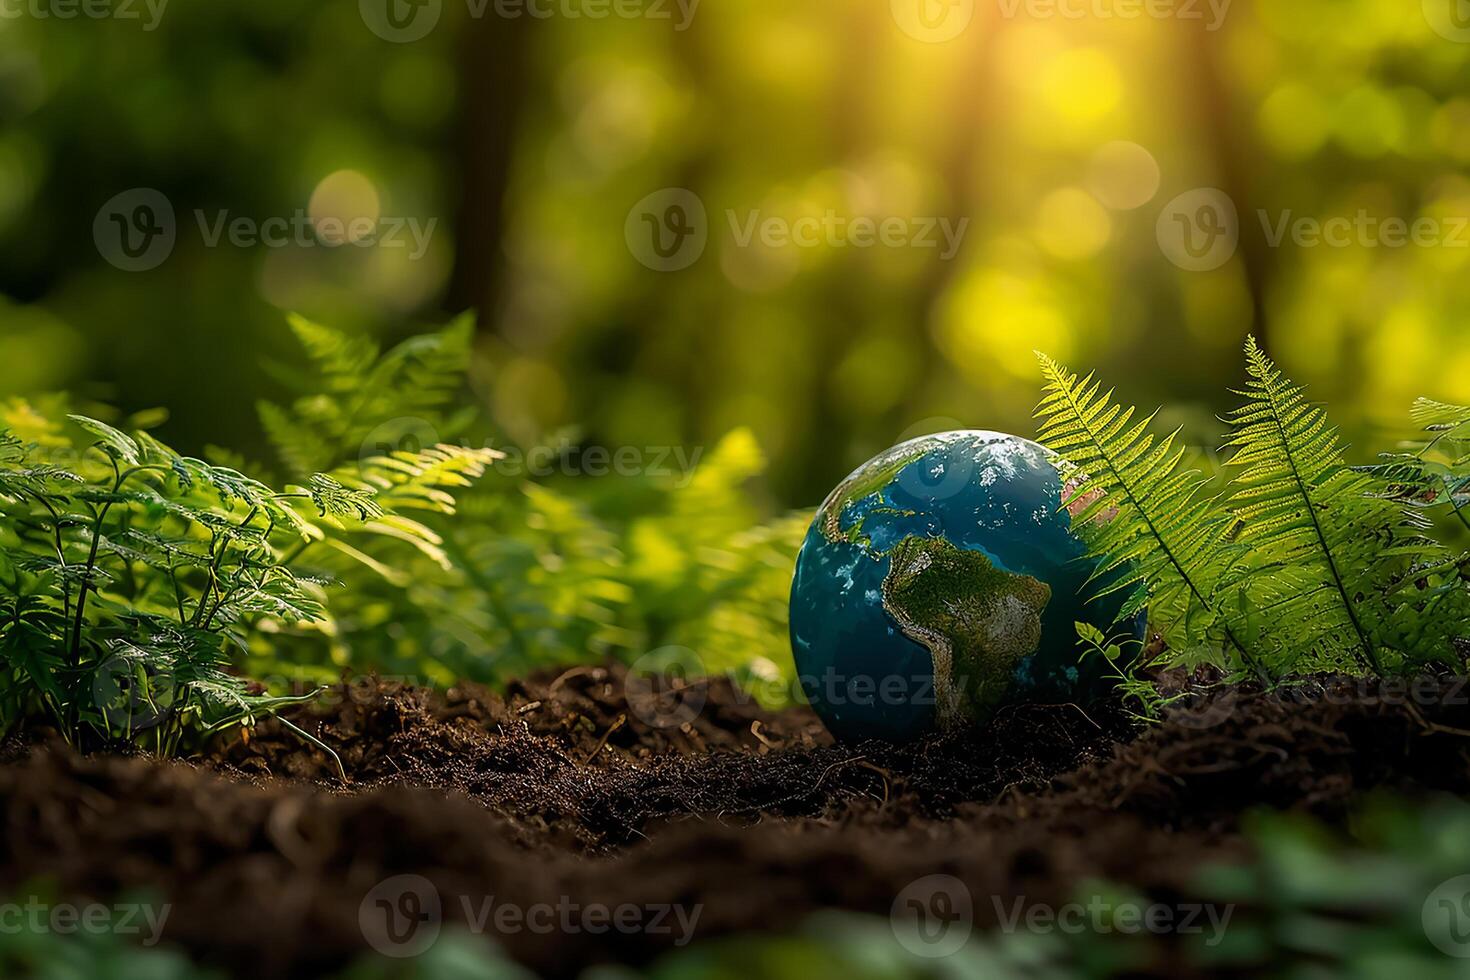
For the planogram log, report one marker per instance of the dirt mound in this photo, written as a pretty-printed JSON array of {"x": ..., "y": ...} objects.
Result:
[
  {"x": 571, "y": 759},
  {"x": 562, "y": 791}
]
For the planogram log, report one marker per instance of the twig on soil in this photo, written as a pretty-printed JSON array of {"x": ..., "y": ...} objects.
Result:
[
  {"x": 319, "y": 744},
  {"x": 755, "y": 729},
  {"x": 1434, "y": 727},
  {"x": 555, "y": 685},
  {"x": 883, "y": 773},
  {"x": 602, "y": 742}
]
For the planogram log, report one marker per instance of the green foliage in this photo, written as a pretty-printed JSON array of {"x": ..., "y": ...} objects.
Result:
[
  {"x": 131, "y": 575},
  {"x": 355, "y": 390},
  {"x": 1159, "y": 535},
  {"x": 1326, "y": 558},
  {"x": 1360, "y": 904},
  {"x": 533, "y": 571},
  {"x": 1140, "y": 694},
  {"x": 44, "y": 954},
  {"x": 1433, "y": 472},
  {"x": 1311, "y": 901},
  {"x": 1297, "y": 563}
]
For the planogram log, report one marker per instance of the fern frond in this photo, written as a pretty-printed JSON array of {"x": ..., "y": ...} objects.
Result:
[
  {"x": 338, "y": 502},
  {"x": 1433, "y": 471},
  {"x": 22, "y": 476},
  {"x": 1441, "y": 416},
  {"x": 1158, "y": 535},
  {"x": 422, "y": 375},
  {"x": 300, "y": 446},
  {"x": 341, "y": 358},
  {"x": 359, "y": 392},
  {"x": 1327, "y": 555},
  {"x": 114, "y": 442},
  {"x": 423, "y": 480}
]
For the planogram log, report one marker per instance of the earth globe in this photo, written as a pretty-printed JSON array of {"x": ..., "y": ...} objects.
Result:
[{"x": 940, "y": 582}]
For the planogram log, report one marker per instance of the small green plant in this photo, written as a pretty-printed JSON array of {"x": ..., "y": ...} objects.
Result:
[
  {"x": 535, "y": 570},
  {"x": 1296, "y": 562},
  {"x": 132, "y": 577},
  {"x": 1432, "y": 473},
  {"x": 1122, "y": 655}
]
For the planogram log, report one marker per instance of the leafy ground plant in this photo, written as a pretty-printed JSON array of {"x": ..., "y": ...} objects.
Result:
[
  {"x": 1296, "y": 562},
  {"x": 534, "y": 569},
  {"x": 131, "y": 575},
  {"x": 1432, "y": 472}
]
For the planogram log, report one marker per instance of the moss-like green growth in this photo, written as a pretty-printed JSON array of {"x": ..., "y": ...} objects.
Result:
[{"x": 977, "y": 620}]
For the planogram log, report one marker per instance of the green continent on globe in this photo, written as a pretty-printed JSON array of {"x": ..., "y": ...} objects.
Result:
[
  {"x": 977, "y": 620},
  {"x": 873, "y": 477}
]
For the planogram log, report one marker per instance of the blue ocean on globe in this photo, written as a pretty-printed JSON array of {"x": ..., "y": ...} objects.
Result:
[{"x": 941, "y": 581}]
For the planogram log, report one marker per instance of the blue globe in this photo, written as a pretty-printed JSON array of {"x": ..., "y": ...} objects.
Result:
[{"x": 941, "y": 581}]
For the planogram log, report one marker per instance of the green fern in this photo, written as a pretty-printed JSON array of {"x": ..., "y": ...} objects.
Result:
[
  {"x": 1321, "y": 546},
  {"x": 131, "y": 578},
  {"x": 1158, "y": 533},
  {"x": 356, "y": 391},
  {"x": 1432, "y": 472},
  {"x": 531, "y": 572},
  {"x": 1301, "y": 563}
]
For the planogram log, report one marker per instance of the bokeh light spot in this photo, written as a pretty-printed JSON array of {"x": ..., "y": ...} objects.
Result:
[
  {"x": 1070, "y": 224},
  {"x": 1293, "y": 121},
  {"x": 1123, "y": 175},
  {"x": 344, "y": 208}
]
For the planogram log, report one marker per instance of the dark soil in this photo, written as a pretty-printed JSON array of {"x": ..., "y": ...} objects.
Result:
[{"x": 557, "y": 792}]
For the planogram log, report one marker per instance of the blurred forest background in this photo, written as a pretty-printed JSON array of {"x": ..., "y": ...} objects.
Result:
[{"x": 528, "y": 142}]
